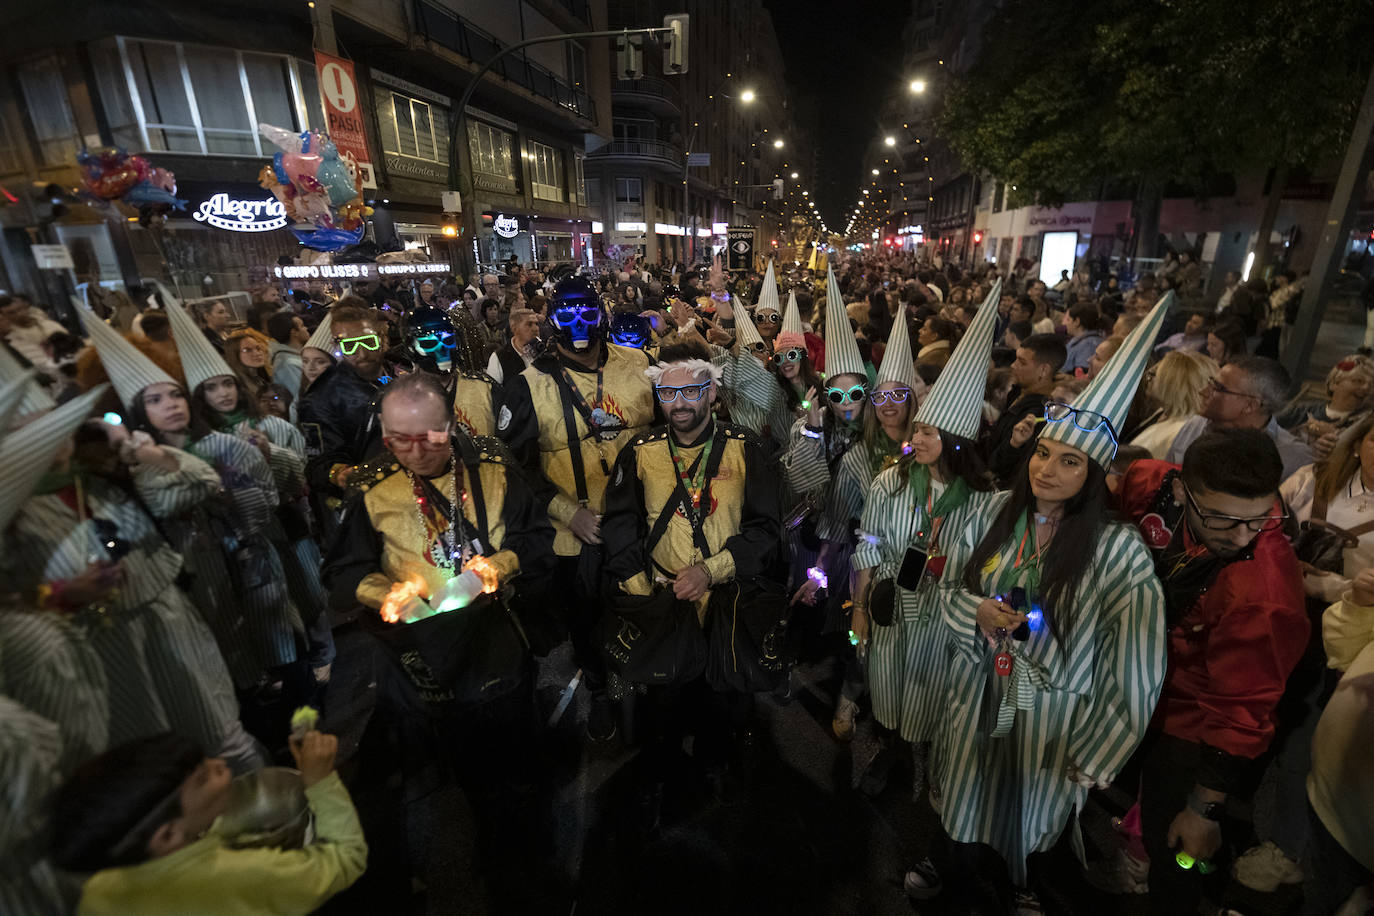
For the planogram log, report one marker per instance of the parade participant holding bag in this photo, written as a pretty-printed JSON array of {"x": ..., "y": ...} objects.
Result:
[
  {"x": 1057, "y": 622},
  {"x": 912, "y": 510},
  {"x": 691, "y": 528},
  {"x": 573, "y": 410}
]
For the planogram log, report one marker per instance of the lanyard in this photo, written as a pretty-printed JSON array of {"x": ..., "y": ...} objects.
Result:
[{"x": 694, "y": 477}]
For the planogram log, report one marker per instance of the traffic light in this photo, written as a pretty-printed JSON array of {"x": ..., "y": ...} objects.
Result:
[
  {"x": 675, "y": 43},
  {"x": 629, "y": 57},
  {"x": 977, "y": 238},
  {"x": 777, "y": 189}
]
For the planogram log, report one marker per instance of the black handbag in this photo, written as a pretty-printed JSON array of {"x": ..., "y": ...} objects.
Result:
[
  {"x": 747, "y": 646},
  {"x": 1322, "y": 544},
  {"x": 882, "y": 602}
]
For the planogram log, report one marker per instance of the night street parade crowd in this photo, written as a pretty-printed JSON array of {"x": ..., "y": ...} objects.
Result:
[{"x": 1056, "y": 540}]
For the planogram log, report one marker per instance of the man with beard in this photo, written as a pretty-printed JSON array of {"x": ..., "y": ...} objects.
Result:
[
  {"x": 572, "y": 411},
  {"x": 337, "y": 414},
  {"x": 1236, "y": 627},
  {"x": 724, "y": 526}
]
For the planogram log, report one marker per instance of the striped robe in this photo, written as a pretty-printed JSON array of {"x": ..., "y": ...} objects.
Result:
[
  {"x": 162, "y": 668},
  {"x": 301, "y": 559},
  {"x": 907, "y": 661},
  {"x": 1086, "y": 703},
  {"x": 255, "y": 627},
  {"x": 30, "y": 747},
  {"x": 48, "y": 664}
]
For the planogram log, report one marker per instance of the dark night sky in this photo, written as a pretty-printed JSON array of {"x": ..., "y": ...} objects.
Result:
[{"x": 841, "y": 59}]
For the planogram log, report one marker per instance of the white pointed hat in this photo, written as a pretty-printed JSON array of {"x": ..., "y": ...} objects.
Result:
[
  {"x": 791, "y": 318},
  {"x": 745, "y": 332},
  {"x": 1109, "y": 395},
  {"x": 955, "y": 401},
  {"x": 898, "y": 366},
  {"x": 12, "y": 397},
  {"x": 323, "y": 337},
  {"x": 129, "y": 370},
  {"x": 841, "y": 348},
  {"x": 768, "y": 293},
  {"x": 200, "y": 361},
  {"x": 34, "y": 398},
  {"x": 27, "y": 453}
]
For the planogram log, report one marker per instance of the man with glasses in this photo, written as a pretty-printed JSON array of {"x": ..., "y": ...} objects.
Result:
[
  {"x": 572, "y": 411},
  {"x": 713, "y": 479},
  {"x": 337, "y": 414},
  {"x": 1237, "y": 626},
  {"x": 1246, "y": 394}
]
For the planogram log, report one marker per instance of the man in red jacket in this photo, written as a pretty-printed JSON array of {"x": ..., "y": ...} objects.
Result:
[{"x": 1237, "y": 625}]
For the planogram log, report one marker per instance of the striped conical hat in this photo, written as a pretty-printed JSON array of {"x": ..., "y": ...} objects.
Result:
[
  {"x": 898, "y": 366},
  {"x": 200, "y": 361},
  {"x": 1110, "y": 393},
  {"x": 791, "y": 318},
  {"x": 955, "y": 401},
  {"x": 34, "y": 397},
  {"x": 745, "y": 332},
  {"x": 27, "y": 453},
  {"x": 12, "y": 397},
  {"x": 323, "y": 337},
  {"x": 841, "y": 348},
  {"x": 129, "y": 370},
  {"x": 768, "y": 293}
]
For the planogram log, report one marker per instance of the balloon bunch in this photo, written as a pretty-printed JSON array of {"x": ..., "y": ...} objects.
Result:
[
  {"x": 109, "y": 173},
  {"x": 321, "y": 190}
]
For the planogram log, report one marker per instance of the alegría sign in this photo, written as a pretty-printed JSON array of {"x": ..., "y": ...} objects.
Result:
[
  {"x": 225, "y": 212},
  {"x": 508, "y": 227}
]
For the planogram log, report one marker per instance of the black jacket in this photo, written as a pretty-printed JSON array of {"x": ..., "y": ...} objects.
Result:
[{"x": 338, "y": 416}]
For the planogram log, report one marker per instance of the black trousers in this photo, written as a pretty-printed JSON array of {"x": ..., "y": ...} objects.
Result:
[
  {"x": 580, "y": 609},
  {"x": 1168, "y": 767},
  {"x": 1335, "y": 873}
]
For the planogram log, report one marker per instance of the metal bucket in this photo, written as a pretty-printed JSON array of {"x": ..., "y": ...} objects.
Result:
[{"x": 267, "y": 810}]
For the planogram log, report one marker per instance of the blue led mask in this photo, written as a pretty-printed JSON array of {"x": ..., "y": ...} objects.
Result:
[
  {"x": 577, "y": 313},
  {"x": 630, "y": 330},
  {"x": 429, "y": 333}
]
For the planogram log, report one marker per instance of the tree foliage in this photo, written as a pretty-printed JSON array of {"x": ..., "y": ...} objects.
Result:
[{"x": 1066, "y": 94}]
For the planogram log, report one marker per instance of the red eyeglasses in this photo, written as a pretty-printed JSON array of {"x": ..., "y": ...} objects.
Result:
[{"x": 435, "y": 440}]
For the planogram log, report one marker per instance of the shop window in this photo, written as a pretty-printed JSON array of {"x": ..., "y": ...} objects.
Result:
[
  {"x": 629, "y": 191},
  {"x": 166, "y": 96},
  {"x": 546, "y": 171},
  {"x": 50, "y": 110}
]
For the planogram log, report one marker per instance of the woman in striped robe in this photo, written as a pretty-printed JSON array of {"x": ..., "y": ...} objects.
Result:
[
  {"x": 1032, "y": 723},
  {"x": 239, "y": 582},
  {"x": 226, "y": 406},
  {"x": 161, "y": 668}
]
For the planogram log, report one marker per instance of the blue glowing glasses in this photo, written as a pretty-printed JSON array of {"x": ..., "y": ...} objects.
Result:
[
  {"x": 667, "y": 394},
  {"x": 841, "y": 396}
]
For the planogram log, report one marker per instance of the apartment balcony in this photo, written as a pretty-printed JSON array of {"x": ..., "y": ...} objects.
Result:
[
  {"x": 451, "y": 31},
  {"x": 651, "y": 94},
  {"x": 652, "y": 152}
]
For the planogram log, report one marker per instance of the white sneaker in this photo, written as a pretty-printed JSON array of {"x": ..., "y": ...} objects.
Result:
[
  {"x": 1264, "y": 867},
  {"x": 842, "y": 724}
]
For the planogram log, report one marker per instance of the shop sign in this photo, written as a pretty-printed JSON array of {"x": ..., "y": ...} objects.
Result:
[
  {"x": 239, "y": 215},
  {"x": 415, "y": 168},
  {"x": 52, "y": 257},
  {"x": 741, "y": 247},
  {"x": 368, "y": 271},
  {"x": 506, "y": 226},
  {"x": 910, "y": 230},
  {"x": 343, "y": 108}
]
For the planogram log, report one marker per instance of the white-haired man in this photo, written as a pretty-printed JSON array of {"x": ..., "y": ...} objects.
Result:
[{"x": 724, "y": 524}]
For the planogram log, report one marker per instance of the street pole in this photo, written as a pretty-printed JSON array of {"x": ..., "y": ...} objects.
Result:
[
  {"x": 460, "y": 113},
  {"x": 1340, "y": 216}
]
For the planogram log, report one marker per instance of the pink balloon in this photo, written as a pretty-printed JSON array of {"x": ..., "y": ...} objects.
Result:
[{"x": 301, "y": 169}]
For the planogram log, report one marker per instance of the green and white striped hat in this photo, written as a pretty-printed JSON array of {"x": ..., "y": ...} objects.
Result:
[
  {"x": 768, "y": 293},
  {"x": 1111, "y": 392},
  {"x": 791, "y": 318},
  {"x": 27, "y": 453},
  {"x": 898, "y": 366},
  {"x": 841, "y": 348},
  {"x": 129, "y": 370},
  {"x": 955, "y": 401},
  {"x": 34, "y": 397},
  {"x": 745, "y": 333},
  {"x": 200, "y": 361},
  {"x": 323, "y": 337},
  {"x": 12, "y": 397}
]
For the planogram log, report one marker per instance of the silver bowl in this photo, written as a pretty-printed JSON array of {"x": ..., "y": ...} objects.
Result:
[{"x": 267, "y": 810}]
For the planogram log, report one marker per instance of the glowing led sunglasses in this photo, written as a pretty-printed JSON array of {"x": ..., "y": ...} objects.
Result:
[
  {"x": 889, "y": 395},
  {"x": 841, "y": 396},
  {"x": 790, "y": 355},
  {"x": 350, "y": 345},
  {"x": 667, "y": 394}
]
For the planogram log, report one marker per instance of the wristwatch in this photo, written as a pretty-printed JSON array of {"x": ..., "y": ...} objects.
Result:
[{"x": 1212, "y": 811}]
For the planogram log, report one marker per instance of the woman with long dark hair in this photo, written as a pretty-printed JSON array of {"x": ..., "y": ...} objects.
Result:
[
  {"x": 221, "y": 400},
  {"x": 1057, "y": 626},
  {"x": 912, "y": 510}
]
